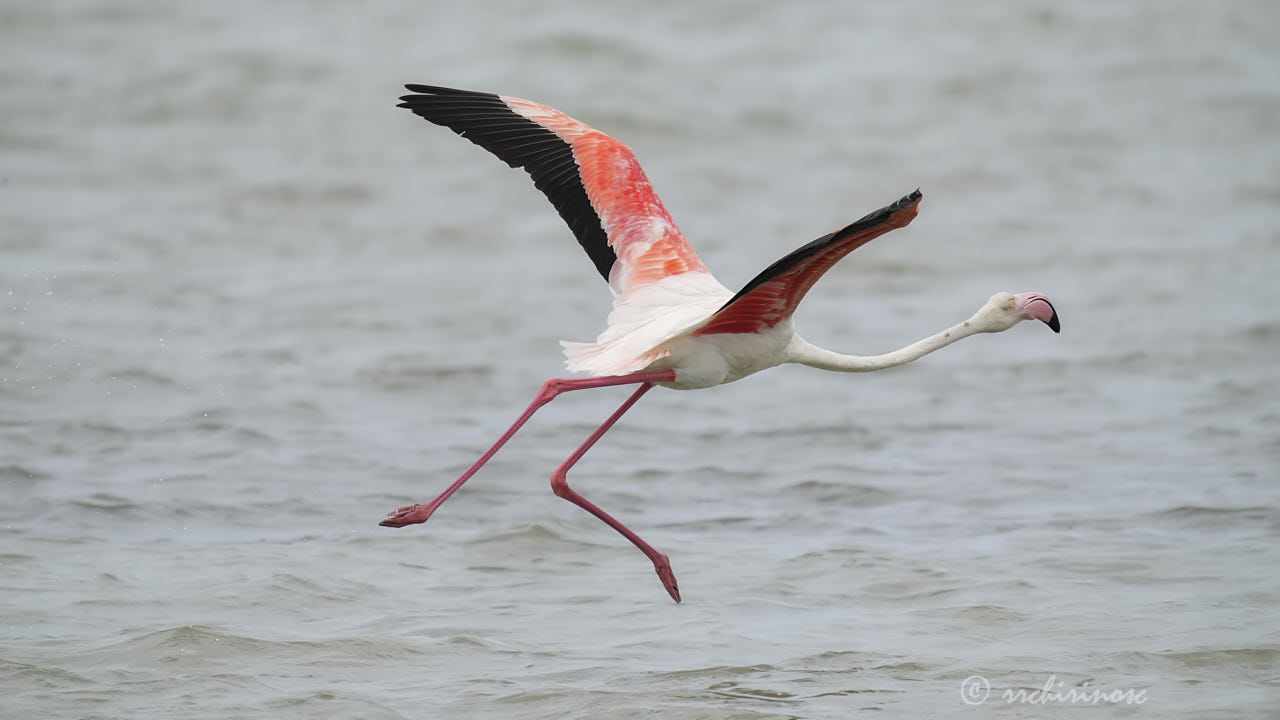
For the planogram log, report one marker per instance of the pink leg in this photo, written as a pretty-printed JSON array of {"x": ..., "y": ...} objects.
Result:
[
  {"x": 560, "y": 485},
  {"x": 411, "y": 514}
]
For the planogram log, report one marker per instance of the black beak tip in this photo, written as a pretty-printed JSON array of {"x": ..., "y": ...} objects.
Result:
[{"x": 1053, "y": 323}]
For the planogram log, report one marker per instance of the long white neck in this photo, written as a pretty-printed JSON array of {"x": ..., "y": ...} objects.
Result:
[{"x": 801, "y": 351}]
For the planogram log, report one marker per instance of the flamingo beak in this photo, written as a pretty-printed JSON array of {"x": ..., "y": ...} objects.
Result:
[
  {"x": 1052, "y": 322},
  {"x": 1037, "y": 307}
]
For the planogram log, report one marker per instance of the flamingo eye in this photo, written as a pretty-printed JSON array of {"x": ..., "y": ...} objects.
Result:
[{"x": 1012, "y": 302}]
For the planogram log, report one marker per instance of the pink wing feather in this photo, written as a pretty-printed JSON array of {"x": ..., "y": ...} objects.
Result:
[
  {"x": 594, "y": 181},
  {"x": 773, "y": 295}
]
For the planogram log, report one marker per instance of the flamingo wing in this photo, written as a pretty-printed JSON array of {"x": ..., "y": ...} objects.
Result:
[
  {"x": 593, "y": 180},
  {"x": 772, "y": 296}
]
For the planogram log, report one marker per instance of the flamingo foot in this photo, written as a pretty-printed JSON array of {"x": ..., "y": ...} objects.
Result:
[
  {"x": 668, "y": 578},
  {"x": 408, "y": 515}
]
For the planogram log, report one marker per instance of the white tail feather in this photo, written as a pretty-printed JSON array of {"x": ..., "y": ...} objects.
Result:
[{"x": 644, "y": 320}]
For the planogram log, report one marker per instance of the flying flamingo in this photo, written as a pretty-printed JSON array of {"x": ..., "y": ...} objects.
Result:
[{"x": 672, "y": 323}]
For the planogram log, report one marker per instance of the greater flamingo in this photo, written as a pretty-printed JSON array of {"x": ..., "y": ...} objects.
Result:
[{"x": 672, "y": 323}]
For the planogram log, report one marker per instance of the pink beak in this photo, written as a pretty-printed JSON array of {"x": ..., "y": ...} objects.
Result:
[{"x": 1035, "y": 306}]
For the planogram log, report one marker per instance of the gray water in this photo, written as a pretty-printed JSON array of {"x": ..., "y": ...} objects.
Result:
[{"x": 248, "y": 306}]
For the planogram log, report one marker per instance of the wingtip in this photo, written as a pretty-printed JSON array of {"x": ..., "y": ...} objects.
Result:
[
  {"x": 442, "y": 90},
  {"x": 911, "y": 200}
]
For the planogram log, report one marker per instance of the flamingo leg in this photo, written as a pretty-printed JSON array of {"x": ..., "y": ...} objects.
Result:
[
  {"x": 560, "y": 486},
  {"x": 412, "y": 514}
]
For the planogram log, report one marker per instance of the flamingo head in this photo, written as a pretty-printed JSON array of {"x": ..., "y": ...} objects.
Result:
[{"x": 1004, "y": 310}]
